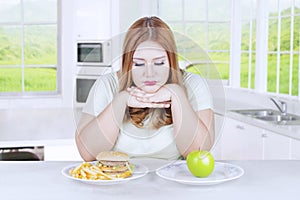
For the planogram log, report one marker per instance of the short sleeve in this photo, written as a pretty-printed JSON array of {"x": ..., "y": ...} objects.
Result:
[
  {"x": 101, "y": 94},
  {"x": 198, "y": 91}
]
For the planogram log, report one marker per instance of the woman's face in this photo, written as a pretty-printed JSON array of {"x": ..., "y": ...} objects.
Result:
[{"x": 150, "y": 70}]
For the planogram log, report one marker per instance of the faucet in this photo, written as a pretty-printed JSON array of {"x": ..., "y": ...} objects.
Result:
[{"x": 282, "y": 108}]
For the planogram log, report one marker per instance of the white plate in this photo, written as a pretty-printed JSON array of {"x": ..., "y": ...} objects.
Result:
[
  {"x": 139, "y": 171},
  {"x": 179, "y": 172}
]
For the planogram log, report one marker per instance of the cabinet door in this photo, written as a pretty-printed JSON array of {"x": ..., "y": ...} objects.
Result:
[
  {"x": 62, "y": 151},
  {"x": 295, "y": 149},
  {"x": 231, "y": 140},
  {"x": 93, "y": 19},
  {"x": 276, "y": 147},
  {"x": 217, "y": 148},
  {"x": 241, "y": 141}
]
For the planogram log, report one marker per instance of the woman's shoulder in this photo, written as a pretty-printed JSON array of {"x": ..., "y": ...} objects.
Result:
[
  {"x": 189, "y": 77},
  {"x": 108, "y": 78}
]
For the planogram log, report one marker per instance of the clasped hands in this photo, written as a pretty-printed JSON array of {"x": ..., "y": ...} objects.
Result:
[{"x": 138, "y": 98}]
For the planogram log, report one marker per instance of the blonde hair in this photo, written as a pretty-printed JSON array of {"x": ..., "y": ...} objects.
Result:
[{"x": 153, "y": 29}]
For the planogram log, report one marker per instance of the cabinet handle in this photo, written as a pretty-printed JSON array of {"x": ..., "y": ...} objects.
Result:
[
  {"x": 264, "y": 135},
  {"x": 240, "y": 127}
]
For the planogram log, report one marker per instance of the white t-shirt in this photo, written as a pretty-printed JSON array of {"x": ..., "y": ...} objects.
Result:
[{"x": 147, "y": 142}]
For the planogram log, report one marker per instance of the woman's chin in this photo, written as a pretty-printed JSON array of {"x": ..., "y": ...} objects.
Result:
[{"x": 151, "y": 89}]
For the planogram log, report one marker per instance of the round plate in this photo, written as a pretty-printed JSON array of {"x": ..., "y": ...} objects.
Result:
[
  {"x": 179, "y": 172},
  {"x": 139, "y": 171}
]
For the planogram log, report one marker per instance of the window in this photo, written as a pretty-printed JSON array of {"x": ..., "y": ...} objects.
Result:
[
  {"x": 28, "y": 47},
  {"x": 283, "y": 47},
  {"x": 204, "y": 28},
  {"x": 248, "y": 44},
  {"x": 282, "y": 52}
]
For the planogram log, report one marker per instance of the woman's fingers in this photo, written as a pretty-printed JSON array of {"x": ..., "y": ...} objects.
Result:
[{"x": 134, "y": 91}]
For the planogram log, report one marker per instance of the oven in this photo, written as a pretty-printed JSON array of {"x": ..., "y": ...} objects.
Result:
[{"x": 85, "y": 79}]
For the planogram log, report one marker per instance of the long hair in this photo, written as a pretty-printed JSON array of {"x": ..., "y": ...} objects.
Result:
[{"x": 153, "y": 29}]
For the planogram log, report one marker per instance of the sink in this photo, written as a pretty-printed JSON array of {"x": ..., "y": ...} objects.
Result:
[{"x": 271, "y": 116}]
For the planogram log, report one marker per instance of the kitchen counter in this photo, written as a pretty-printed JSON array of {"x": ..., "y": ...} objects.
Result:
[
  {"x": 43, "y": 180},
  {"x": 291, "y": 131}
]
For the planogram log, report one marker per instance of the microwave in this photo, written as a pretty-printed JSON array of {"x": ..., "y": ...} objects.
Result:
[{"x": 94, "y": 53}]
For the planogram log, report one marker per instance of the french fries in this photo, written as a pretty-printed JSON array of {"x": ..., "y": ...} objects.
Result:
[{"x": 89, "y": 171}]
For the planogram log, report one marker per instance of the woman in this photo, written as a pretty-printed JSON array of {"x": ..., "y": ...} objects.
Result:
[{"x": 150, "y": 107}]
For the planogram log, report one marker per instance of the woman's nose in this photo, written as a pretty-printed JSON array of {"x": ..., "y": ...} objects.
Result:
[{"x": 149, "y": 71}]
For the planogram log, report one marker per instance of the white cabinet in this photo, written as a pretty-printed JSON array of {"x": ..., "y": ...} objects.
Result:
[
  {"x": 64, "y": 150},
  {"x": 295, "y": 149},
  {"x": 217, "y": 148},
  {"x": 93, "y": 19},
  {"x": 276, "y": 147},
  {"x": 241, "y": 141}
]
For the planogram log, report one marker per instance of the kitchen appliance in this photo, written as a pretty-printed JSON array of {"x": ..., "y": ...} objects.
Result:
[
  {"x": 85, "y": 78},
  {"x": 93, "y": 60},
  {"x": 94, "y": 53}
]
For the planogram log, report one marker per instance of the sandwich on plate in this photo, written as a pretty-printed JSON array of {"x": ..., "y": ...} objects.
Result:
[{"x": 115, "y": 164}]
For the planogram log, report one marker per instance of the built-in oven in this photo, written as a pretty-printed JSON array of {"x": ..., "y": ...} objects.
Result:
[
  {"x": 84, "y": 84},
  {"x": 85, "y": 79},
  {"x": 93, "y": 60}
]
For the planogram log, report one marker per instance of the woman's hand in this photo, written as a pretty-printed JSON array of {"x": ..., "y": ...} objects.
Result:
[{"x": 141, "y": 99}]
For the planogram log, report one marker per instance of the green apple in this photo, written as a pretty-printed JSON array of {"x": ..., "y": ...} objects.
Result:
[{"x": 200, "y": 163}]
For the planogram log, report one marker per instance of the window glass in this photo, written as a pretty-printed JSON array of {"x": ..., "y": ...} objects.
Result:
[
  {"x": 285, "y": 33},
  {"x": 40, "y": 44},
  {"x": 10, "y": 45},
  {"x": 10, "y": 11},
  {"x": 219, "y": 36},
  {"x": 28, "y": 47},
  {"x": 219, "y": 10},
  {"x": 10, "y": 79},
  {"x": 40, "y": 11},
  {"x": 297, "y": 7},
  {"x": 40, "y": 79},
  {"x": 195, "y": 10},
  {"x": 171, "y": 9},
  {"x": 247, "y": 71},
  {"x": 198, "y": 33},
  {"x": 272, "y": 72},
  {"x": 284, "y": 76},
  {"x": 221, "y": 63},
  {"x": 285, "y": 7},
  {"x": 248, "y": 10},
  {"x": 295, "y": 78},
  {"x": 273, "y": 35}
]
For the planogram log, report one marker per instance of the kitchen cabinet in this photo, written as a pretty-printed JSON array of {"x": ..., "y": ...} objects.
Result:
[
  {"x": 61, "y": 151},
  {"x": 217, "y": 148},
  {"x": 275, "y": 146},
  {"x": 241, "y": 141},
  {"x": 295, "y": 149},
  {"x": 93, "y": 19}
]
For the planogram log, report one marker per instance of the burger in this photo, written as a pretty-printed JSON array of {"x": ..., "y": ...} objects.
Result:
[{"x": 114, "y": 163}]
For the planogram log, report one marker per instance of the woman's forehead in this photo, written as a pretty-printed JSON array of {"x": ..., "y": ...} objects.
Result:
[{"x": 149, "y": 49}]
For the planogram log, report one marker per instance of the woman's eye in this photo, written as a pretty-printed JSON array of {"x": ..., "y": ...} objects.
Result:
[
  {"x": 159, "y": 63},
  {"x": 139, "y": 64}
]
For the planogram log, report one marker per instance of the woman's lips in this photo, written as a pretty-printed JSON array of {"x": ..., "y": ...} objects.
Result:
[{"x": 150, "y": 83}]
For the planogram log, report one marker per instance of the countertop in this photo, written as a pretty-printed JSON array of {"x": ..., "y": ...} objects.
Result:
[
  {"x": 43, "y": 180},
  {"x": 291, "y": 131}
]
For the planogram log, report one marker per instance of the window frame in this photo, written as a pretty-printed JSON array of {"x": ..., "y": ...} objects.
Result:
[{"x": 23, "y": 66}]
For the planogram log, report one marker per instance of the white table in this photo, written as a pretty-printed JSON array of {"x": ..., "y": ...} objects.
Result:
[{"x": 43, "y": 180}]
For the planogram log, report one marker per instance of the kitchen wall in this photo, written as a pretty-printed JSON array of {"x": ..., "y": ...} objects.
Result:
[
  {"x": 35, "y": 118},
  {"x": 91, "y": 19}
]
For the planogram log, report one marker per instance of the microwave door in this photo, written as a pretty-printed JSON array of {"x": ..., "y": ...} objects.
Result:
[{"x": 90, "y": 53}]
